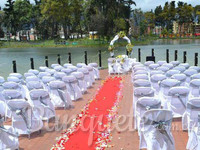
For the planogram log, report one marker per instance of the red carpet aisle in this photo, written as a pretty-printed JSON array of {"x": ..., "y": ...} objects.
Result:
[{"x": 91, "y": 129}]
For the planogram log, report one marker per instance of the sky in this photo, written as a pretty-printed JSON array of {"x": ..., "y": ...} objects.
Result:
[{"x": 145, "y": 5}]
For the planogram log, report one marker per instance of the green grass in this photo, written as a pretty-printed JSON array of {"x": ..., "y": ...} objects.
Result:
[{"x": 73, "y": 43}]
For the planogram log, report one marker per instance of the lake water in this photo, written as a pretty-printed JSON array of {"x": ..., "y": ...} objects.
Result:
[{"x": 22, "y": 56}]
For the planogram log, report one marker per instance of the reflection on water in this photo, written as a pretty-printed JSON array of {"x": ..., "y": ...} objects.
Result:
[{"x": 22, "y": 56}]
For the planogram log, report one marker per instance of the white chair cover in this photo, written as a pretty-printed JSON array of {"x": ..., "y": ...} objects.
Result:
[
  {"x": 156, "y": 72},
  {"x": 59, "y": 94},
  {"x": 2, "y": 80},
  {"x": 175, "y": 63},
  {"x": 36, "y": 72},
  {"x": 81, "y": 82},
  {"x": 34, "y": 85},
  {"x": 73, "y": 68},
  {"x": 86, "y": 76},
  {"x": 153, "y": 66},
  {"x": 163, "y": 69},
  {"x": 8, "y": 135},
  {"x": 141, "y": 76},
  {"x": 96, "y": 70},
  {"x": 91, "y": 73},
  {"x": 195, "y": 68},
  {"x": 42, "y": 68},
  {"x": 155, "y": 130},
  {"x": 178, "y": 97},
  {"x": 172, "y": 72},
  {"x": 195, "y": 88},
  {"x": 147, "y": 63},
  {"x": 18, "y": 75},
  {"x": 46, "y": 80},
  {"x": 58, "y": 68},
  {"x": 141, "y": 72},
  {"x": 165, "y": 85},
  {"x": 51, "y": 71},
  {"x": 32, "y": 78},
  {"x": 42, "y": 102},
  {"x": 155, "y": 81},
  {"x": 28, "y": 74},
  {"x": 180, "y": 77},
  {"x": 54, "y": 65},
  {"x": 67, "y": 65},
  {"x": 42, "y": 74},
  {"x": 161, "y": 62},
  {"x": 195, "y": 76},
  {"x": 141, "y": 83},
  {"x": 59, "y": 75},
  {"x": 189, "y": 73},
  {"x": 180, "y": 68},
  {"x": 80, "y": 65},
  {"x": 72, "y": 87},
  {"x": 186, "y": 65},
  {"x": 67, "y": 71},
  {"x": 142, "y": 105},
  {"x": 24, "y": 118},
  {"x": 168, "y": 65}
]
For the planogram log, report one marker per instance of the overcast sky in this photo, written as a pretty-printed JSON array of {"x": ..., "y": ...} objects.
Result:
[{"x": 146, "y": 5}]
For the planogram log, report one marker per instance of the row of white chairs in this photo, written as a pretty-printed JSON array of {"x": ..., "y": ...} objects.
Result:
[
  {"x": 30, "y": 100},
  {"x": 174, "y": 87}
]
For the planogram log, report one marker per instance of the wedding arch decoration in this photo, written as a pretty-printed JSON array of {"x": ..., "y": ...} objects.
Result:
[{"x": 121, "y": 34}]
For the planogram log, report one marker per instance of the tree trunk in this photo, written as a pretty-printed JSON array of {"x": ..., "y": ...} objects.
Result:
[{"x": 65, "y": 31}]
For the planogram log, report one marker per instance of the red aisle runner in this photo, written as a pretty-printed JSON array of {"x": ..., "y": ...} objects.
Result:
[{"x": 91, "y": 129}]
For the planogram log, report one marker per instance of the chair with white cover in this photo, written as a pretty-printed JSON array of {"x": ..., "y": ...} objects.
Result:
[
  {"x": 155, "y": 130},
  {"x": 195, "y": 76},
  {"x": 178, "y": 97},
  {"x": 168, "y": 65},
  {"x": 195, "y": 68},
  {"x": 111, "y": 66},
  {"x": 51, "y": 71},
  {"x": 140, "y": 76},
  {"x": 141, "y": 92},
  {"x": 55, "y": 65},
  {"x": 2, "y": 80},
  {"x": 42, "y": 68},
  {"x": 36, "y": 72},
  {"x": 190, "y": 121},
  {"x": 86, "y": 76},
  {"x": 155, "y": 81},
  {"x": 175, "y": 63},
  {"x": 136, "y": 63},
  {"x": 80, "y": 65},
  {"x": 59, "y": 94},
  {"x": 186, "y": 65},
  {"x": 154, "y": 66},
  {"x": 81, "y": 82},
  {"x": 161, "y": 62},
  {"x": 141, "y": 83},
  {"x": 27, "y": 74},
  {"x": 67, "y": 71},
  {"x": 42, "y": 74},
  {"x": 73, "y": 68},
  {"x": 91, "y": 73},
  {"x": 195, "y": 88},
  {"x": 141, "y": 72},
  {"x": 163, "y": 69},
  {"x": 189, "y": 73},
  {"x": 67, "y": 65},
  {"x": 59, "y": 75},
  {"x": 25, "y": 119},
  {"x": 42, "y": 102},
  {"x": 34, "y": 85},
  {"x": 32, "y": 78},
  {"x": 58, "y": 68},
  {"x": 156, "y": 72},
  {"x": 147, "y": 63},
  {"x": 172, "y": 72},
  {"x": 180, "y": 77},
  {"x": 138, "y": 69},
  {"x": 142, "y": 105},
  {"x": 180, "y": 68},
  {"x": 72, "y": 87},
  {"x": 8, "y": 136},
  {"x": 46, "y": 80},
  {"x": 96, "y": 70},
  {"x": 18, "y": 75},
  {"x": 165, "y": 86}
]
